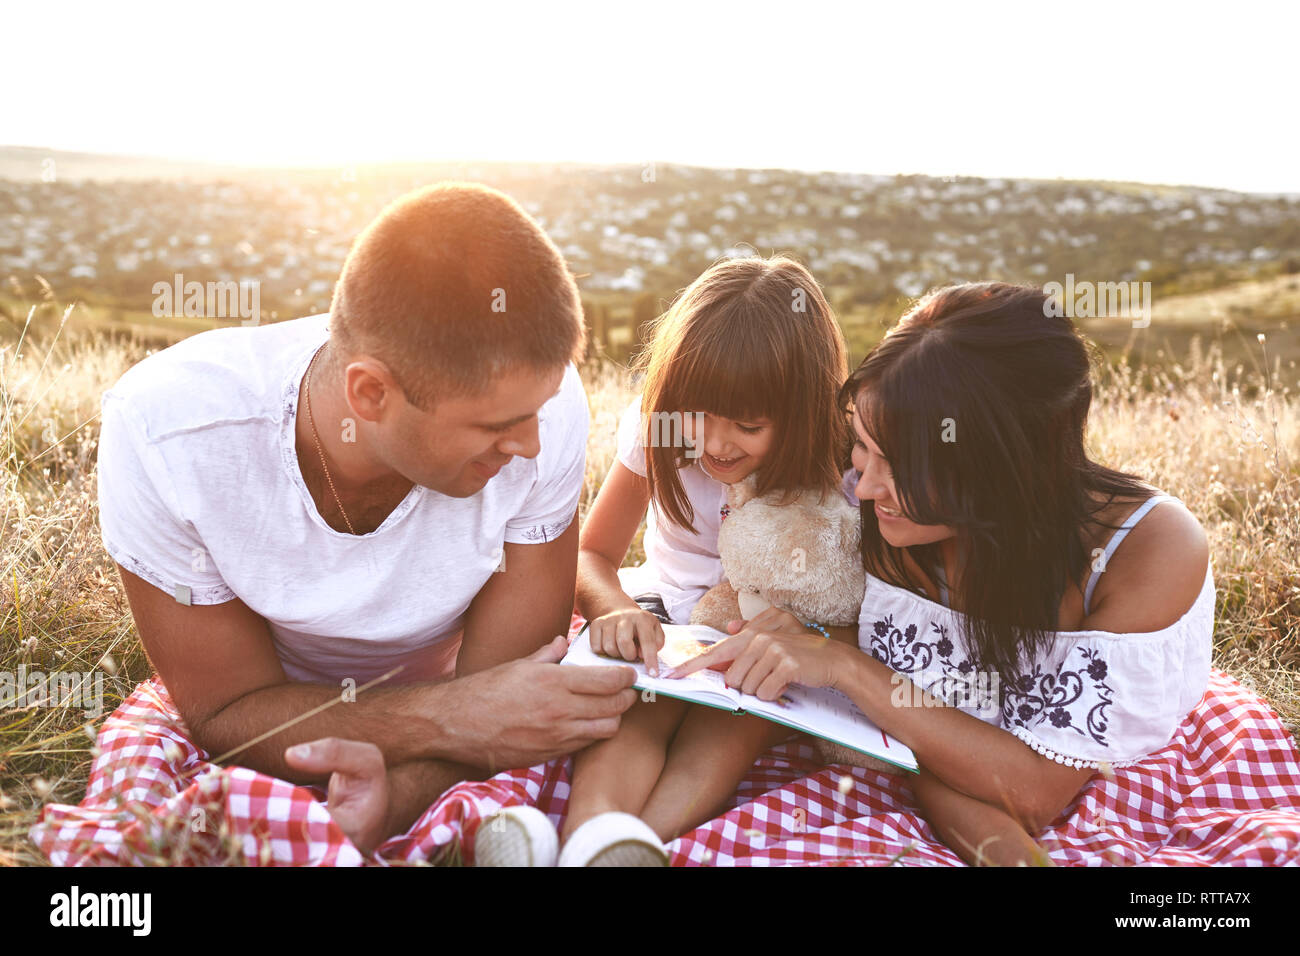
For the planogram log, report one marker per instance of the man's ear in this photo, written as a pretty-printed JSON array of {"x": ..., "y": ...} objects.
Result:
[{"x": 370, "y": 389}]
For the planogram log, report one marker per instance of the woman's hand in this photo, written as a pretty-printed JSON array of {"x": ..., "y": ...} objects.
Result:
[
  {"x": 771, "y": 651},
  {"x": 629, "y": 633},
  {"x": 774, "y": 619}
]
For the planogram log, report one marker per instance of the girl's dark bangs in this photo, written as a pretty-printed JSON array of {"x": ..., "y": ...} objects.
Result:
[{"x": 732, "y": 379}]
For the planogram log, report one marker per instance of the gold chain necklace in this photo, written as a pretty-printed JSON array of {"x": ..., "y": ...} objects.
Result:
[{"x": 319, "y": 450}]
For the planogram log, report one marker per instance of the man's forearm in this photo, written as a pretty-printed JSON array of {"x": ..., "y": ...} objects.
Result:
[{"x": 406, "y": 722}]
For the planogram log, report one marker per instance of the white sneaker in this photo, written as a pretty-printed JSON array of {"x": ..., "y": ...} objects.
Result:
[
  {"x": 614, "y": 839},
  {"x": 516, "y": 836}
]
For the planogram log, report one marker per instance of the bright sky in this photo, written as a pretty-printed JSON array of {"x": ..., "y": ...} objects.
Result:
[{"x": 1192, "y": 93}]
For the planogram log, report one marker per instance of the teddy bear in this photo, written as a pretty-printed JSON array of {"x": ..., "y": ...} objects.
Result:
[{"x": 801, "y": 556}]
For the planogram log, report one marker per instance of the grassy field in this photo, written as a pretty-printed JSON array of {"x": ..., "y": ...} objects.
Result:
[{"x": 1221, "y": 434}]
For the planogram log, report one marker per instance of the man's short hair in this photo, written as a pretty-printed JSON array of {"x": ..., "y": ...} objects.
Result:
[{"x": 451, "y": 285}]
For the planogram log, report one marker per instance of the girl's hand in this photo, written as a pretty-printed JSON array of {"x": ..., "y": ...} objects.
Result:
[
  {"x": 629, "y": 633},
  {"x": 768, "y": 654}
]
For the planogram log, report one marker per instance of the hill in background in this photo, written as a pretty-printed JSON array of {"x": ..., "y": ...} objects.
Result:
[{"x": 102, "y": 230}]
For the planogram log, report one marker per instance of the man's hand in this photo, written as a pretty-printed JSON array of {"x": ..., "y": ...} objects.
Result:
[
  {"x": 531, "y": 710},
  {"x": 358, "y": 788}
]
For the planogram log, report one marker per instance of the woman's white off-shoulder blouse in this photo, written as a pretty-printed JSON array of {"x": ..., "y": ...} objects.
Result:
[{"x": 1093, "y": 698}]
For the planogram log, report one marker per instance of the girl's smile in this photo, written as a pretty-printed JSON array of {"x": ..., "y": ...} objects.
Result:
[
  {"x": 724, "y": 466},
  {"x": 729, "y": 451}
]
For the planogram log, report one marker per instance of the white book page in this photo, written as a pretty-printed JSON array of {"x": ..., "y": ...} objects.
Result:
[
  {"x": 682, "y": 642},
  {"x": 828, "y": 713},
  {"x": 817, "y": 710}
]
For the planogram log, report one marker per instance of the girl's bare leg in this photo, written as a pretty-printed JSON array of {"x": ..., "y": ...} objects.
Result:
[
  {"x": 619, "y": 773},
  {"x": 710, "y": 755}
]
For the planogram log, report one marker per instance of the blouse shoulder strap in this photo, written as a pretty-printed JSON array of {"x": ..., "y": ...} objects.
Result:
[{"x": 1114, "y": 543}]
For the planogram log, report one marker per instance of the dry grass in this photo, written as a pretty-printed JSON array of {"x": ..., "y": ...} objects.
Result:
[{"x": 1226, "y": 441}]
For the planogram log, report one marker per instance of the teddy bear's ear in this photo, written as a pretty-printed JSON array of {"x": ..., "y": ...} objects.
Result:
[{"x": 739, "y": 492}]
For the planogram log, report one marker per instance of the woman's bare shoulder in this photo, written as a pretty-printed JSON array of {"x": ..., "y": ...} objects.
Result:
[{"x": 1156, "y": 573}]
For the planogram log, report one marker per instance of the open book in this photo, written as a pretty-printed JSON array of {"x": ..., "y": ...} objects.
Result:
[{"x": 819, "y": 711}]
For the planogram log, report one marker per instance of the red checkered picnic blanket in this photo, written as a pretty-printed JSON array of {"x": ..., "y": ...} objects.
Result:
[{"x": 1225, "y": 791}]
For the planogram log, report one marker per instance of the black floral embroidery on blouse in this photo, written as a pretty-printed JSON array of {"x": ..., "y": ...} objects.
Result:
[
  {"x": 1097, "y": 669},
  {"x": 902, "y": 651},
  {"x": 1050, "y": 695}
]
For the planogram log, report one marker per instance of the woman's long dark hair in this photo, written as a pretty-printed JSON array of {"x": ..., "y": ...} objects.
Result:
[{"x": 979, "y": 400}]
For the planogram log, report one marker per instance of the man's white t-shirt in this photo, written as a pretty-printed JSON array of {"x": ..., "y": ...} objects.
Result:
[
  {"x": 680, "y": 564},
  {"x": 200, "y": 494}
]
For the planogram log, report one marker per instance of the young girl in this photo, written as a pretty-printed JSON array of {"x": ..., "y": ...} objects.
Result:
[
  {"x": 744, "y": 367},
  {"x": 1005, "y": 568}
]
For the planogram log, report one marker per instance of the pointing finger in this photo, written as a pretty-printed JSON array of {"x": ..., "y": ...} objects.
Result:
[{"x": 721, "y": 652}]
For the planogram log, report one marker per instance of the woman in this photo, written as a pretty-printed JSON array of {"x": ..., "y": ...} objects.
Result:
[{"x": 1001, "y": 576}]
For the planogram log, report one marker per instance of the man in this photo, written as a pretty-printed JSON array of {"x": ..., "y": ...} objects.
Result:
[{"x": 300, "y": 508}]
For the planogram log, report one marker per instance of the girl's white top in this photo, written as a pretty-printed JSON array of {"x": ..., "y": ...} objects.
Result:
[
  {"x": 1093, "y": 698},
  {"x": 680, "y": 564}
]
